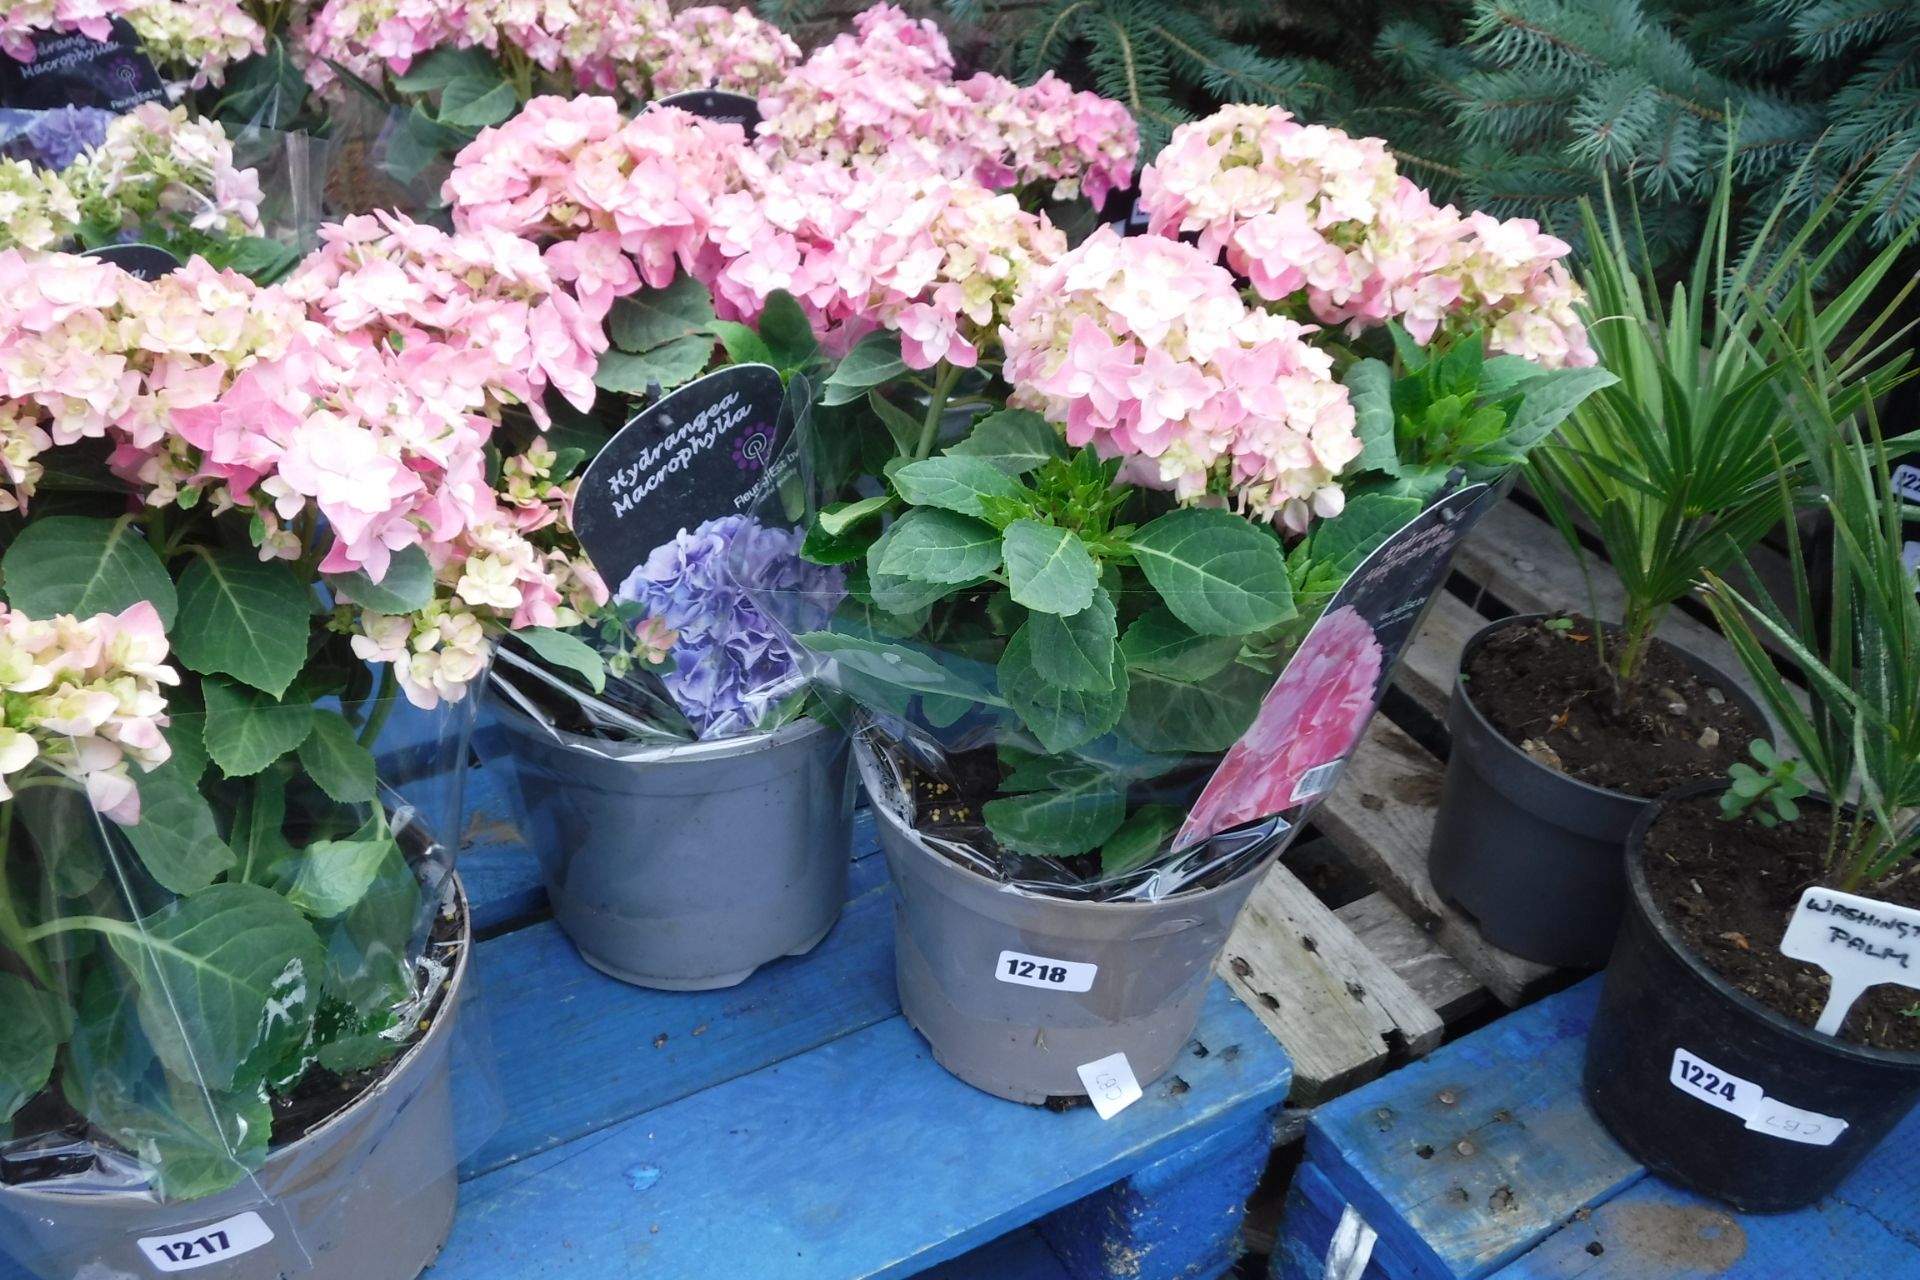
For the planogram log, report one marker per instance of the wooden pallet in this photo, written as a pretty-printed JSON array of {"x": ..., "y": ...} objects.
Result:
[{"x": 1484, "y": 1161}]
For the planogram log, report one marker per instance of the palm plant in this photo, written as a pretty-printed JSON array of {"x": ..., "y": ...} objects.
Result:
[{"x": 1688, "y": 460}]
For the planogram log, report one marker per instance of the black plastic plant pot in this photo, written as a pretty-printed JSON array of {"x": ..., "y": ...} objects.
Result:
[
  {"x": 1530, "y": 853},
  {"x": 1677, "y": 1054}
]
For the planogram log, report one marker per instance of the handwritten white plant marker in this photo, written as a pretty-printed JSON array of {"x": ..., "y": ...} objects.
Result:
[{"x": 1860, "y": 942}]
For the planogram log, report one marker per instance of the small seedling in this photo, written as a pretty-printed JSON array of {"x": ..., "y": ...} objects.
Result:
[
  {"x": 1558, "y": 624},
  {"x": 1767, "y": 794}
]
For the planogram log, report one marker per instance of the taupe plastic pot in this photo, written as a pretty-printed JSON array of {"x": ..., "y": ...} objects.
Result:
[
  {"x": 368, "y": 1195},
  {"x": 1134, "y": 974},
  {"x": 686, "y": 867},
  {"x": 1531, "y": 854}
]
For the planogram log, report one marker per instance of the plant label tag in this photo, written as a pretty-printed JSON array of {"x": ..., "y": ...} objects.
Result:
[
  {"x": 202, "y": 1246},
  {"x": 1038, "y": 971},
  {"x": 141, "y": 261},
  {"x": 71, "y": 68},
  {"x": 1779, "y": 1120},
  {"x": 1717, "y": 1088},
  {"x": 1110, "y": 1084},
  {"x": 717, "y": 105},
  {"x": 710, "y": 449},
  {"x": 1906, "y": 481},
  {"x": 1315, "y": 713},
  {"x": 1860, "y": 942}
]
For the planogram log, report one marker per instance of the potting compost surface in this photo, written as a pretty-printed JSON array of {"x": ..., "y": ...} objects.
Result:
[
  {"x": 1730, "y": 889},
  {"x": 1543, "y": 688}
]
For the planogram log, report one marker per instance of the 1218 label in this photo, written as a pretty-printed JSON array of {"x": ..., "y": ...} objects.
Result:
[{"x": 1038, "y": 971}]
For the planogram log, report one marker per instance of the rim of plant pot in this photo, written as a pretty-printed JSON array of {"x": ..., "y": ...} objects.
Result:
[
  {"x": 1698, "y": 665},
  {"x": 673, "y": 753},
  {"x": 1670, "y": 939},
  {"x": 52, "y": 1196}
]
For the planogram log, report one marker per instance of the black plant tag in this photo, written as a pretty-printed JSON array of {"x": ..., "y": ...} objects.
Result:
[
  {"x": 715, "y": 447},
  {"x": 141, "y": 261},
  {"x": 70, "y": 69},
  {"x": 717, "y": 104}
]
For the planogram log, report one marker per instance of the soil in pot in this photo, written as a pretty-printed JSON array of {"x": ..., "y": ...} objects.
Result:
[
  {"x": 1729, "y": 890},
  {"x": 1540, "y": 684}
]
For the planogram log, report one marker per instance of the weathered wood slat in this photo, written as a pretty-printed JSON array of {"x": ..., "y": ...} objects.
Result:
[
  {"x": 859, "y": 1158},
  {"x": 1338, "y": 1008},
  {"x": 1433, "y": 659},
  {"x": 1381, "y": 816},
  {"x": 1440, "y": 981}
]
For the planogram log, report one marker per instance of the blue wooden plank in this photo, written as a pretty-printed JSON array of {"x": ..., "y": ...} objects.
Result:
[
  {"x": 503, "y": 876},
  {"x": 1470, "y": 1157},
  {"x": 599, "y": 1053},
  {"x": 1177, "y": 1219},
  {"x": 858, "y": 1159},
  {"x": 1870, "y": 1227},
  {"x": 1018, "y": 1255},
  {"x": 1307, "y": 1223}
]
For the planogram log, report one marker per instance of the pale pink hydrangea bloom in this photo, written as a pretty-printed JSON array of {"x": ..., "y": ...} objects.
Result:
[
  {"x": 37, "y": 209},
  {"x": 81, "y": 697},
  {"x": 1142, "y": 347},
  {"x": 570, "y": 168},
  {"x": 1309, "y": 213},
  {"x": 711, "y": 47},
  {"x": 889, "y": 86},
  {"x": 890, "y": 243},
  {"x": 382, "y": 277},
  {"x": 203, "y": 34},
  {"x": 163, "y": 166}
]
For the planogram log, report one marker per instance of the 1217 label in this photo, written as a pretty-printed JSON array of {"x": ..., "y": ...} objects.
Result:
[
  {"x": 1038, "y": 971},
  {"x": 203, "y": 1246}
]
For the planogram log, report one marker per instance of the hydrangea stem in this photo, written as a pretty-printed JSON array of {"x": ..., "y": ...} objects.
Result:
[
  {"x": 13, "y": 934},
  {"x": 943, "y": 384}
]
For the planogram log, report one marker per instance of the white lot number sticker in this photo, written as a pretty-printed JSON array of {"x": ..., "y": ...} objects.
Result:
[
  {"x": 1038, "y": 971},
  {"x": 1713, "y": 1086},
  {"x": 203, "y": 1246},
  {"x": 1110, "y": 1084},
  {"x": 1315, "y": 780}
]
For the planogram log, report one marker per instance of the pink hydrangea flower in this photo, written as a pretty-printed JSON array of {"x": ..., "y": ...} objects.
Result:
[
  {"x": 204, "y": 35},
  {"x": 1313, "y": 716},
  {"x": 1143, "y": 348}
]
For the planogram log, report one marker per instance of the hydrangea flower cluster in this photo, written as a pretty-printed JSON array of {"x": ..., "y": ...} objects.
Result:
[
  {"x": 569, "y": 168},
  {"x": 161, "y": 169},
  {"x": 636, "y": 47},
  {"x": 55, "y": 139},
  {"x": 203, "y": 34},
  {"x": 889, "y": 86},
  {"x": 385, "y": 280},
  {"x": 37, "y": 211},
  {"x": 711, "y": 47},
  {"x": 892, "y": 244},
  {"x": 731, "y": 668},
  {"x": 1314, "y": 217},
  {"x": 1143, "y": 347},
  {"x": 81, "y": 697}
]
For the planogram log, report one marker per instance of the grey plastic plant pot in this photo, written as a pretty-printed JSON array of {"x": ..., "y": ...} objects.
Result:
[
  {"x": 368, "y": 1195},
  {"x": 1148, "y": 965},
  {"x": 1658, "y": 998},
  {"x": 1531, "y": 854},
  {"x": 686, "y": 867}
]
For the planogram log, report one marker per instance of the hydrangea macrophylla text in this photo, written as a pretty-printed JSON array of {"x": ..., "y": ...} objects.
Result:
[
  {"x": 1308, "y": 212},
  {"x": 1143, "y": 348},
  {"x": 731, "y": 668},
  {"x": 81, "y": 697},
  {"x": 889, "y": 86},
  {"x": 202, "y": 34}
]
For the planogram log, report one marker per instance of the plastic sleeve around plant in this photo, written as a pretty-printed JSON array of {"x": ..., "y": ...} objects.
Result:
[{"x": 231, "y": 1015}]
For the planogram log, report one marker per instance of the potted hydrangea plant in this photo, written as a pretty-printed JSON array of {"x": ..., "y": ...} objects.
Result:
[
  {"x": 1112, "y": 638},
  {"x": 1564, "y": 728},
  {"x": 241, "y": 529},
  {"x": 1759, "y": 1030}
]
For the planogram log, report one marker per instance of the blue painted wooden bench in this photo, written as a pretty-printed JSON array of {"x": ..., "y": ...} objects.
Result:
[
  {"x": 796, "y": 1126},
  {"x": 1483, "y": 1161}
]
